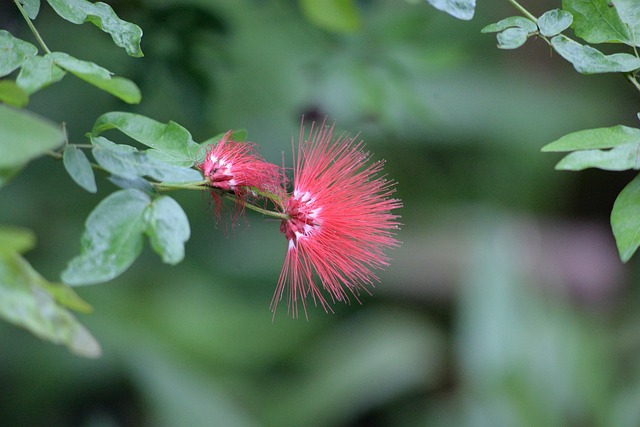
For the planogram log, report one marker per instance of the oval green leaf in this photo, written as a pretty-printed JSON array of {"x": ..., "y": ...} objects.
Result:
[
  {"x": 126, "y": 161},
  {"x": 461, "y": 9},
  {"x": 13, "y": 52},
  {"x": 12, "y": 94},
  {"x": 625, "y": 219},
  {"x": 123, "y": 33},
  {"x": 112, "y": 239},
  {"x": 511, "y": 38},
  {"x": 587, "y": 60},
  {"x": 168, "y": 229},
  {"x": 38, "y": 72},
  {"x": 25, "y": 136},
  {"x": 597, "y": 21},
  {"x": 31, "y": 8},
  {"x": 553, "y": 22},
  {"x": 629, "y": 12},
  {"x": 172, "y": 140},
  {"x": 590, "y": 139},
  {"x": 7, "y": 173},
  {"x": 620, "y": 158},
  {"x": 99, "y": 77},
  {"x": 16, "y": 239},
  {"x": 78, "y": 167},
  {"x": 135, "y": 183},
  {"x": 512, "y": 22},
  {"x": 29, "y": 301}
]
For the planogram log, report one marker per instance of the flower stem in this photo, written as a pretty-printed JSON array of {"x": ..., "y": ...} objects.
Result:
[
  {"x": 522, "y": 10},
  {"x": 201, "y": 185},
  {"x": 196, "y": 185},
  {"x": 31, "y": 26},
  {"x": 258, "y": 209}
]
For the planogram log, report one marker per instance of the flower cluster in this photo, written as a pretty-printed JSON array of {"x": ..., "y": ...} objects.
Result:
[
  {"x": 236, "y": 168},
  {"x": 337, "y": 218}
]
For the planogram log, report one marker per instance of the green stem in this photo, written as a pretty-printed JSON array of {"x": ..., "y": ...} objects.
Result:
[
  {"x": 196, "y": 185},
  {"x": 255, "y": 208},
  {"x": 201, "y": 185},
  {"x": 522, "y": 10},
  {"x": 56, "y": 155},
  {"x": 31, "y": 26},
  {"x": 633, "y": 80}
]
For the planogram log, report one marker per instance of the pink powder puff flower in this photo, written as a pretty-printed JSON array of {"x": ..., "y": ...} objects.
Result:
[
  {"x": 339, "y": 222},
  {"x": 236, "y": 167}
]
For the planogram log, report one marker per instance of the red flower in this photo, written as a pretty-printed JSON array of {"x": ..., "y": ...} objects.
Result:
[
  {"x": 236, "y": 167},
  {"x": 339, "y": 222}
]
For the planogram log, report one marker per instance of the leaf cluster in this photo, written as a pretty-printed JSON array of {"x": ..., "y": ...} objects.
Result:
[
  {"x": 114, "y": 231},
  {"x": 617, "y": 24}
]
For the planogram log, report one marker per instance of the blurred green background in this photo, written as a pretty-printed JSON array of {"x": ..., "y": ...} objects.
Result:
[{"x": 506, "y": 305}]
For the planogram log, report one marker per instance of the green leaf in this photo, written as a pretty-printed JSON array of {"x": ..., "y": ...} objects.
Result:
[
  {"x": 135, "y": 183},
  {"x": 514, "y": 21},
  {"x": 13, "y": 52},
  {"x": 511, "y": 38},
  {"x": 123, "y": 33},
  {"x": 31, "y": 8},
  {"x": 11, "y": 94},
  {"x": 332, "y": 15},
  {"x": 625, "y": 219},
  {"x": 619, "y": 158},
  {"x": 114, "y": 231},
  {"x": 16, "y": 239},
  {"x": 168, "y": 229},
  {"x": 596, "y": 21},
  {"x": 112, "y": 240},
  {"x": 175, "y": 144},
  {"x": 67, "y": 297},
  {"x": 629, "y": 12},
  {"x": 595, "y": 138},
  {"x": 587, "y": 60},
  {"x": 78, "y": 167},
  {"x": 461, "y": 9},
  {"x": 24, "y": 136},
  {"x": 126, "y": 161},
  {"x": 29, "y": 301},
  {"x": 7, "y": 173},
  {"x": 38, "y": 72},
  {"x": 553, "y": 22},
  {"x": 99, "y": 77}
]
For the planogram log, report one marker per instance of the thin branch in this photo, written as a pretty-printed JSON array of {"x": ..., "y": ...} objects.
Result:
[
  {"x": 522, "y": 10},
  {"x": 632, "y": 78},
  {"x": 31, "y": 26}
]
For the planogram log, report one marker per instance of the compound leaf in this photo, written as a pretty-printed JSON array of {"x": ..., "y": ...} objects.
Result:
[{"x": 112, "y": 239}]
